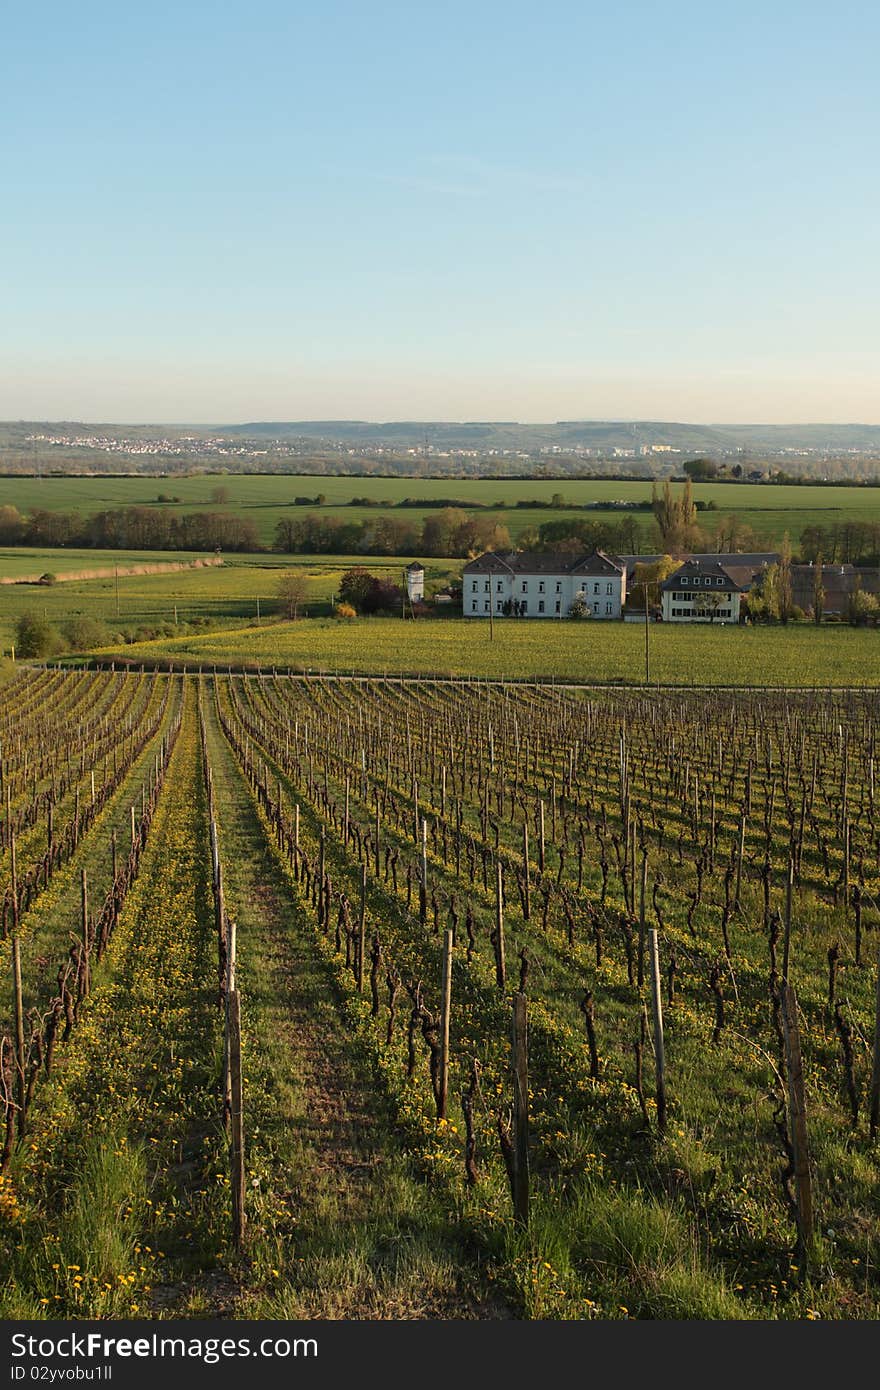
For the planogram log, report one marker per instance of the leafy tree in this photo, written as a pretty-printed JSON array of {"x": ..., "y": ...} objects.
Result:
[
  {"x": 35, "y": 636},
  {"x": 652, "y": 576},
  {"x": 355, "y": 588},
  {"x": 83, "y": 633},
  {"x": 861, "y": 605},
  {"x": 700, "y": 469},
  {"x": 580, "y": 609},
  {"x": 220, "y": 496},
  {"x": 384, "y": 597},
  {"x": 11, "y": 525},
  {"x": 708, "y": 604}
]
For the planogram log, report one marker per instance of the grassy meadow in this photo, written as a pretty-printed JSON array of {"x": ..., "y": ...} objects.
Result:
[
  {"x": 229, "y": 594},
  {"x": 590, "y": 652}
]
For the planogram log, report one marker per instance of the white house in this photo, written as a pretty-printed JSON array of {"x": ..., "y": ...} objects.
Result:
[
  {"x": 701, "y": 591},
  {"x": 532, "y": 584}
]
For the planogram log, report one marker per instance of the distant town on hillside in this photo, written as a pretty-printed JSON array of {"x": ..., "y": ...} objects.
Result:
[{"x": 600, "y": 448}]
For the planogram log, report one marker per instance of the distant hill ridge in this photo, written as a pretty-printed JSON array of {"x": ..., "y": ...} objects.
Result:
[{"x": 597, "y": 434}]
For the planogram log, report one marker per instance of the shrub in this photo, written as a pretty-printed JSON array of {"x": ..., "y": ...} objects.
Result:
[
  {"x": 83, "y": 633},
  {"x": 345, "y": 610},
  {"x": 35, "y": 637}
]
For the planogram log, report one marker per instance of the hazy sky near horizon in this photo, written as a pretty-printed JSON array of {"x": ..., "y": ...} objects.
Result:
[{"x": 287, "y": 210}]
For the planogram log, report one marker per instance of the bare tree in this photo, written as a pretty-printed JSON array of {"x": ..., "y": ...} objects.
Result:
[{"x": 293, "y": 591}]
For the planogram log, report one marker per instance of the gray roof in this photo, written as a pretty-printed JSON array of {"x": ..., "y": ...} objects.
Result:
[
  {"x": 731, "y": 560},
  {"x": 544, "y": 562},
  {"x": 696, "y": 569}
]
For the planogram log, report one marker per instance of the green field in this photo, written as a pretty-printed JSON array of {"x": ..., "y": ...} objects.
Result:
[
  {"x": 267, "y": 499},
  {"x": 600, "y": 652},
  {"x": 227, "y": 594}
]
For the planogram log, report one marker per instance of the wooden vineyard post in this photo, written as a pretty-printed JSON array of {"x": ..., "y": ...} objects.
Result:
[
  {"x": 133, "y": 832},
  {"x": 500, "y": 967},
  {"x": 659, "y": 1049},
  {"x": 362, "y": 922},
  {"x": 113, "y": 869},
  {"x": 376, "y": 861},
  {"x": 444, "y": 1027},
  {"x": 18, "y": 1002},
  {"x": 797, "y": 1111},
  {"x": 875, "y": 1073},
  {"x": 541, "y": 836},
  {"x": 739, "y": 860},
  {"x": 322, "y": 857},
  {"x": 527, "y": 885},
  {"x": 84, "y": 892},
  {"x": 786, "y": 943},
  {"x": 230, "y": 990},
  {"x": 520, "y": 1067},
  {"x": 642, "y": 924},
  {"x": 347, "y": 811},
  {"x": 236, "y": 1142},
  {"x": 423, "y": 877}
]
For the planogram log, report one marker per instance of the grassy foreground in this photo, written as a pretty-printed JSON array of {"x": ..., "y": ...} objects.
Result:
[{"x": 600, "y": 652}]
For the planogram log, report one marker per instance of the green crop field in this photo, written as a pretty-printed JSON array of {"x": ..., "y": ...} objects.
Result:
[
  {"x": 356, "y": 1000},
  {"x": 265, "y": 500},
  {"x": 833, "y": 655},
  {"x": 226, "y": 594}
]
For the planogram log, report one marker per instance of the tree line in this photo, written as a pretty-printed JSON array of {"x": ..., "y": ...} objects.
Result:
[
  {"x": 128, "y": 528},
  {"x": 679, "y": 527}
]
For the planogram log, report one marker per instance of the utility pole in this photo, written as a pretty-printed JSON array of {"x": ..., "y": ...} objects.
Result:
[
  {"x": 491, "y": 612},
  {"x": 643, "y": 585}
]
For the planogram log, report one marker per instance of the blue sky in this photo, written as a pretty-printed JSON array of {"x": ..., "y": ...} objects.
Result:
[{"x": 218, "y": 212}]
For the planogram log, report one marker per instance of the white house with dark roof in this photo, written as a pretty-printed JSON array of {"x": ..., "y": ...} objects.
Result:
[
  {"x": 534, "y": 584},
  {"x": 701, "y": 591}
]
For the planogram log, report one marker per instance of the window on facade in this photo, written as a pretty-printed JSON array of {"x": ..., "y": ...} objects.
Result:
[
  {"x": 559, "y": 588},
  {"x": 595, "y": 608},
  {"x": 474, "y": 604},
  {"x": 609, "y": 588},
  {"x": 486, "y": 606},
  {"x": 558, "y": 605},
  {"x": 608, "y": 608},
  {"x": 486, "y": 586},
  {"x": 500, "y": 587},
  {"x": 541, "y": 587},
  {"x": 525, "y": 586},
  {"x": 474, "y": 587},
  {"x": 595, "y": 588},
  {"x": 541, "y": 606}
]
